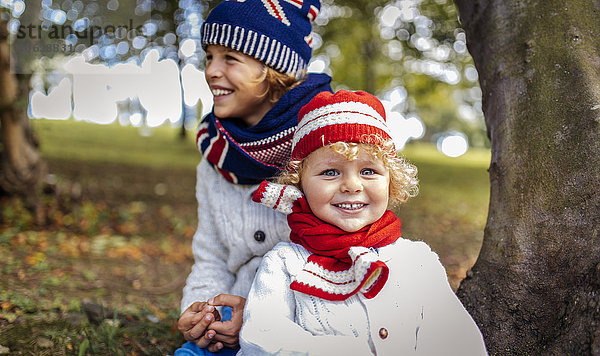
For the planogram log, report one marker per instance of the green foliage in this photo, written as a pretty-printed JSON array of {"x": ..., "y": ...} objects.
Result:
[
  {"x": 68, "y": 334},
  {"x": 438, "y": 103},
  {"x": 444, "y": 15},
  {"x": 366, "y": 54},
  {"x": 355, "y": 47},
  {"x": 18, "y": 214}
]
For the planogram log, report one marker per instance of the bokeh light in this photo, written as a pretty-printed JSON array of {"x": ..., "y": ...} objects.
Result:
[
  {"x": 453, "y": 144},
  {"x": 188, "y": 47}
]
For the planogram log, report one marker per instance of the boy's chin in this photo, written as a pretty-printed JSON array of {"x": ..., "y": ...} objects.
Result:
[{"x": 222, "y": 113}]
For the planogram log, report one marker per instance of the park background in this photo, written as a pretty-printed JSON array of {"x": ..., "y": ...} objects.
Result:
[{"x": 103, "y": 271}]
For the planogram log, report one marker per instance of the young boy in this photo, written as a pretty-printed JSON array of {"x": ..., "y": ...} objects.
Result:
[
  {"x": 256, "y": 58},
  {"x": 348, "y": 284}
]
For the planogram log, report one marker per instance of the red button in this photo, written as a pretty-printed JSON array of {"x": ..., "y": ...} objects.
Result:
[{"x": 383, "y": 333}]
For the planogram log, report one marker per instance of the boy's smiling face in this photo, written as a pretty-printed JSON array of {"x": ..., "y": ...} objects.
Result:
[
  {"x": 233, "y": 79},
  {"x": 349, "y": 194}
]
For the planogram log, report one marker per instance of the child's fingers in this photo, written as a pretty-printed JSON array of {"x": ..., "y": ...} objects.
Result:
[
  {"x": 236, "y": 303},
  {"x": 230, "y": 341},
  {"x": 190, "y": 317},
  {"x": 200, "y": 327},
  {"x": 207, "y": 309},
  {"x": 233, "y": 301},
  {"x": 233, "y": 326},
  {"x": 200, "y": 306},
  {"x": 193, "y": 318},
  {"x": 206, "y": 340},
  {"x": 196, "y": 307},
  {"x": 228, "y": 332},
  {"x": 212, "y": 310},
  {"x": 196, "y": 319},
  {"x": 215, "y": 347}
]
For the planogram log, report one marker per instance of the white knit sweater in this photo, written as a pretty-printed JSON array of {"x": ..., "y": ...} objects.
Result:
[
  {"x": 416, "y": 313},
  {"x": 225, "y": 246}
]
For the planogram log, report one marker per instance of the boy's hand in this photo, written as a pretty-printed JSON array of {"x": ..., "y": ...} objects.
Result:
[
  {"x": 194, "y": 322},
  {"x": 228, "y": 332}
]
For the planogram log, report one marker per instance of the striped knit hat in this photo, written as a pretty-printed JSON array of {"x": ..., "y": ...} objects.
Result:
[
  {"x": 276, "y": 32},
  {"x": 342, "y": 116}
]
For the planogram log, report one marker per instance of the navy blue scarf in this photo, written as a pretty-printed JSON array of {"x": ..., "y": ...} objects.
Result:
[{"x": 249, "y": 155}]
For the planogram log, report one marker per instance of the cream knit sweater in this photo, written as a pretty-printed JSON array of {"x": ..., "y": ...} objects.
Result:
[
  {"x": 416, "y": 312},
  {"x": 232, "y": 236}
]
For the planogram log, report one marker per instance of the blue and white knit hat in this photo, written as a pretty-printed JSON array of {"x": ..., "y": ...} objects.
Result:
[{"x": 276, "y": 32}]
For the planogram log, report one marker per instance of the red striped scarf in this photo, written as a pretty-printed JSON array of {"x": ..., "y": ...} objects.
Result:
[{"x": 341, "y": 264}]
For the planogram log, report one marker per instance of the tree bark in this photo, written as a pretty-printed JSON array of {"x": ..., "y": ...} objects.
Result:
[
  {"x": 22, "y": 167},
  {"x": 535, "y": 288}
]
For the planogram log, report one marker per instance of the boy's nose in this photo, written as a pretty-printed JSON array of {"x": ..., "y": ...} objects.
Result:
[
  {"x": 351, "y": 184},
  {"x": 214, "y": 70}
]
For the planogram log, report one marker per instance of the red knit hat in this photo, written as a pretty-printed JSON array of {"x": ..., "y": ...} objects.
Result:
[{"x": 343, "y": 116}]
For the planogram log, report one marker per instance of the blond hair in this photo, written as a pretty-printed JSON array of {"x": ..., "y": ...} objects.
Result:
[
  {"x": 277, "y": 83},
  {"x": 403, "y": 175}
]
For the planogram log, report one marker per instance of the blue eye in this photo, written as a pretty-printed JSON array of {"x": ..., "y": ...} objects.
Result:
[
  {"x": 330, "y": 173},
  {"x": 367, "y": 171}
]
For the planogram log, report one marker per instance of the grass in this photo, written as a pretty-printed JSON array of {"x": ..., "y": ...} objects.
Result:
[
  {"x": 456, "y": 187},
  {"x": 150, "y": 147},
  {"x": 450, "y": 211},
  {"x": 121, "y": 213}
]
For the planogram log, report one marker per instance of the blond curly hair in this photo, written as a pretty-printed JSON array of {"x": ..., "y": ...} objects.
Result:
[{"x": 403, "y": 175}]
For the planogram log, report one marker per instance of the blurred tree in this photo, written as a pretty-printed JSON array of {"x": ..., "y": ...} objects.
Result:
[
  {"x": 351, "y": 43},
  {"x": 21, "y": 168},
  {"x": 106, "y": 32},
  {"x": 415, "y": 46},
  {"x": 535, "y": 288}
]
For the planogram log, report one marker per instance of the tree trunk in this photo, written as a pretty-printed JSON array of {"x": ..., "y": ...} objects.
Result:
[
  {"x": 535, "y": 288},
  {"x": 369, "y": 49},
  {"x": 22, "y": 167}
]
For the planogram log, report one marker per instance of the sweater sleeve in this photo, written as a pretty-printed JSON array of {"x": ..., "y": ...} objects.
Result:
[
  {"x": 210, "y": 275},
  {"x": 269, "y": 316}
]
